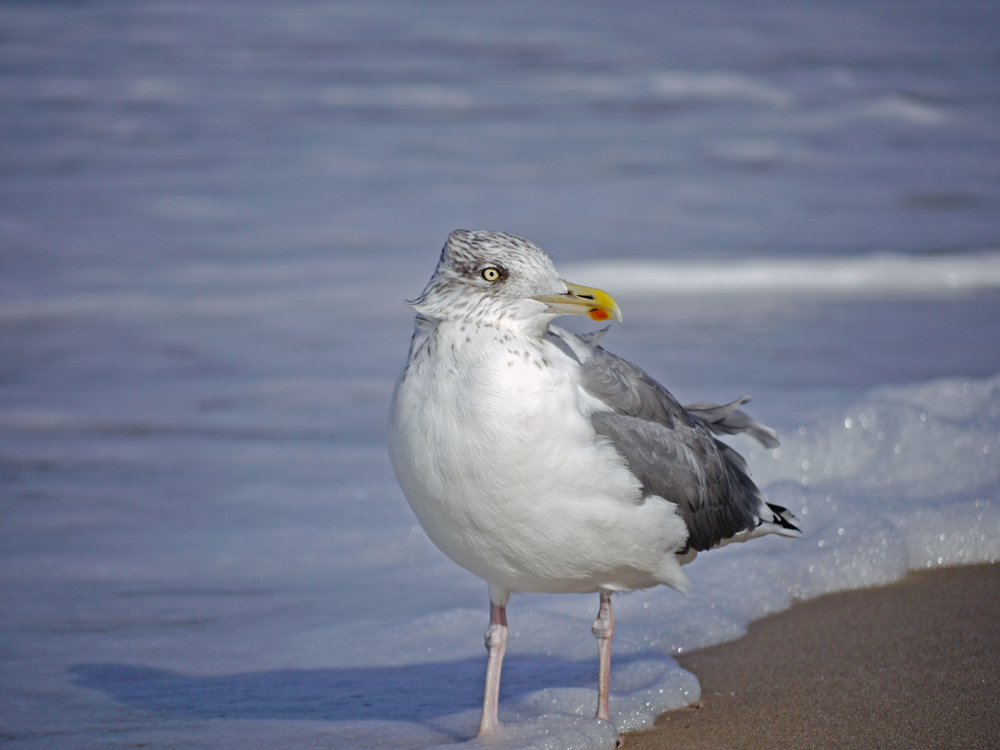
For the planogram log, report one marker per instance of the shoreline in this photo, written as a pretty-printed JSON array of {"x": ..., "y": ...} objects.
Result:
[{"x": 912, "y": 664}]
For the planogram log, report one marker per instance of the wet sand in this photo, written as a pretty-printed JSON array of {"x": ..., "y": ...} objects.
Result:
[{"x": 913, "y": 665}]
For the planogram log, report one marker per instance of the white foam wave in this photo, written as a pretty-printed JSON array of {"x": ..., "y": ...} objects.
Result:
[
  {"x": 719, "y": 85},
  {"x": 882, "y": 273},
  {"x": 893, "y": 108},
  {"x": 406, "y": 97},
  {"x": 673, "y": 86}
]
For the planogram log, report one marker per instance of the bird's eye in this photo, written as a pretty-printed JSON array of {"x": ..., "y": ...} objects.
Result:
[{"x": 491, "y": 274}]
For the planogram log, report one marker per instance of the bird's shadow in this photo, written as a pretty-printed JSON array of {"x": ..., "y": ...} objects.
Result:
[{"x": 404, "y": 693}]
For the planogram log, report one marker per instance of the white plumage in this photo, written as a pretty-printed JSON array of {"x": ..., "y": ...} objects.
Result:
[{"x": 540, "y": 462}]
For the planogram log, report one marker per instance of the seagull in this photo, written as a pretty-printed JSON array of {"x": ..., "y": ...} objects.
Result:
[{"x": 541, "y": 462}]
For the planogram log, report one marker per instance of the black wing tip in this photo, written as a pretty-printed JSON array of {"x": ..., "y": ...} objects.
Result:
[{"x": 784, "y": 518}]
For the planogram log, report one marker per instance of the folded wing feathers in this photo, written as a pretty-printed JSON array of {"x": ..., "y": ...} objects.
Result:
[
  {"x": 685, "y": 465},
  {"x": 670, "y": 450}
]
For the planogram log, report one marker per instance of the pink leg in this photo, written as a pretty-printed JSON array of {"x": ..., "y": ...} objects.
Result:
[
  {"x": 604, "y": 629},
  {"x": 496, "y": 646}
]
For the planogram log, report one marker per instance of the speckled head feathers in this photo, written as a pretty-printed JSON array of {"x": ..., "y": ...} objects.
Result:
[{"x": 488, "y": 278}]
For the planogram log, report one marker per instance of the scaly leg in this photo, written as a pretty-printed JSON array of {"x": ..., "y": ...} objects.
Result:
[
  {"x": 604, "y": 629},
  {"x": 496, "y": 647}
]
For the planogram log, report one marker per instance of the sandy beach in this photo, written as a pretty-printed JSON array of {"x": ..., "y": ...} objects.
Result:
[{"x": 911, "y": 665}]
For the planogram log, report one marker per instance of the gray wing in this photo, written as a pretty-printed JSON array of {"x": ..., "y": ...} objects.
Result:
[{"x": 671, "y": 451}]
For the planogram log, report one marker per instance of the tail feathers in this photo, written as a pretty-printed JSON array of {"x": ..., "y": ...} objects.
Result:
[{"x": 729, "y": 420}]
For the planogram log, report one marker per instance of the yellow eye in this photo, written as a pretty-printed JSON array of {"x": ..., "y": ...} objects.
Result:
[{"x": 491, "y": 274}]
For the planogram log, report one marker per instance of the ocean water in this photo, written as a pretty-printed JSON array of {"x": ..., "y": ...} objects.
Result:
[{"x": 212, "y": 212}]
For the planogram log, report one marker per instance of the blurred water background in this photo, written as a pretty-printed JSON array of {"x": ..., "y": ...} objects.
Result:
[{"x": 211, "y": 213}]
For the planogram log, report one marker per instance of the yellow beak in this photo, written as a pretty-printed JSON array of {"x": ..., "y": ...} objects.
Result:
[{"x": 582, "y": 300}]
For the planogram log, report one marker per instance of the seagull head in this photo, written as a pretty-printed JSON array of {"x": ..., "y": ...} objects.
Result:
[{"x": 494, "y": 278}]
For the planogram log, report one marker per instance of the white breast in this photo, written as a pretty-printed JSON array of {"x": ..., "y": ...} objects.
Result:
[{"x": 491, "y": 442}]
